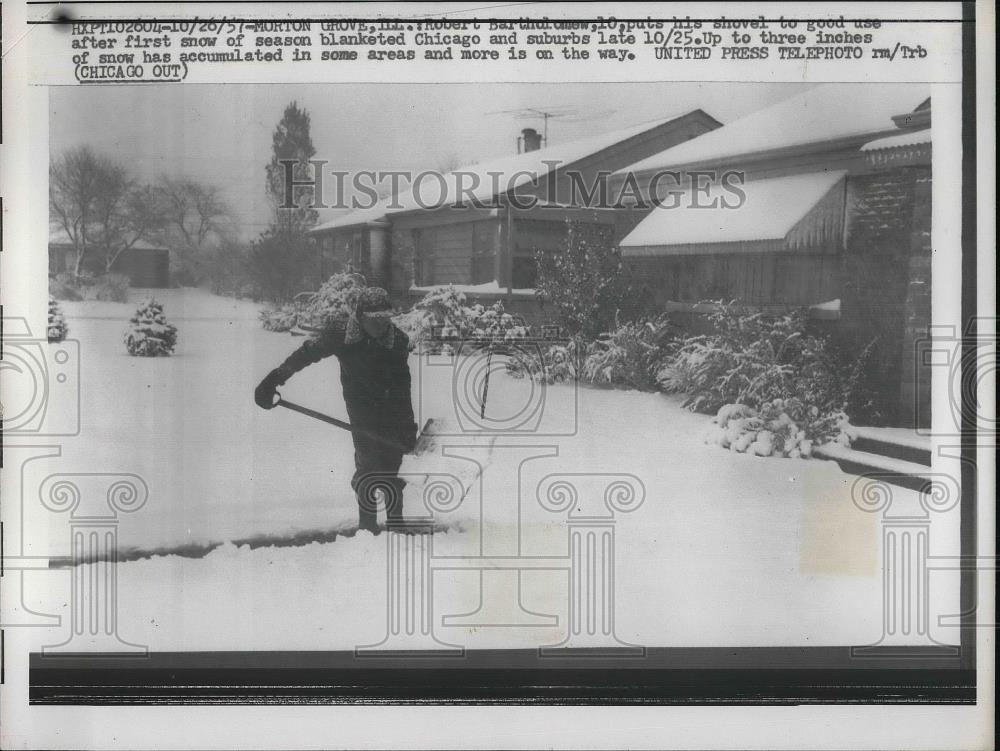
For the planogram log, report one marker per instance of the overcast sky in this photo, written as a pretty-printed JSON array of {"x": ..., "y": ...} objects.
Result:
[{"x": 221, "y": 134}]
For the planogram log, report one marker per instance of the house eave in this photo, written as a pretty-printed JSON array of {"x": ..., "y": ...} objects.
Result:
[{"x": 753, "y": 157}]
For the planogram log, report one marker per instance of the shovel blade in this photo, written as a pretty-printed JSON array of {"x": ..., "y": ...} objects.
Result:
[{"x": 428, "y": 439}]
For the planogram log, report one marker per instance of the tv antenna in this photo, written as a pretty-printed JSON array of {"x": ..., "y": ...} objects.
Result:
[{"x": 567, "y": 114}]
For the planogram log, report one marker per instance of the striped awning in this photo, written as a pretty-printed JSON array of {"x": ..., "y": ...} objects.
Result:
[{"x": 794, "y": 212}]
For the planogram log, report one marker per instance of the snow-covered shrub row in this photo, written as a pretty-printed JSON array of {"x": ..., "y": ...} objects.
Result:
[
  {"x": 442, "y": 319},
  {"x": 148, "y": 333},
  {"x": 57, "y": 328},
  {"x": 751, "y": 358},
  {"x": 791, "y": 383},
  {"x": 86, "y": 286},
  {"x": 630, "y": 356},
  {"x": 280, "y": 319}
]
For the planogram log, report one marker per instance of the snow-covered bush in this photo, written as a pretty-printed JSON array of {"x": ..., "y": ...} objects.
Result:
[
  {"x": 773, "y": 384},
  {"x": 492, "y": 326},
  {"x": 280, "y": 319},
  {"x": 333, "y": 301},
  {"x": 751, "y": 358},
  {"x": 585, "y": 281},
  {"x": 441, "y": 320},
  {"x": 148, "y": 333},
  {"x": 781, "y": 427},
  {"x": 631, "y": 355},
  {"x": 555, "y": 363},
  {"x": 57, "y": 329},
  {"x": 111, "y": 288}
]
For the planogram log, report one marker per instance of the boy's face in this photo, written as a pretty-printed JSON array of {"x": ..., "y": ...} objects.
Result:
[{"x": 375, "y": 324}]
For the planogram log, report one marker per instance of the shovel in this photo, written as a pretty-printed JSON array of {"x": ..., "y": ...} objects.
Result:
[
  {"x": 462, "y": 472},
  {"x": 424, "y": 441}
]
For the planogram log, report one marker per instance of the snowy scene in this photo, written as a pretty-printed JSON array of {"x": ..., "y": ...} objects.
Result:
[
  {"x": 565, "y": 405},
  {"x": 248, "y": 538}
]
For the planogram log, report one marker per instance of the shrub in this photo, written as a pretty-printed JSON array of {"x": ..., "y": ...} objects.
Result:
[
  {"x": 439, "y": 315},
  {"x": 57, "y": 328},
  {"x": 556, "y": 363},
  {"x": 770, "y": 365},
  {"x": 631, "y": 355},
  {"x": 781, "y": 427},
  {"x": 280, "y": 319},
  {"x": 442, "y": 319},
  {"x": 585, "y": 281},
  {"x": 334, "y": 300},
  {"x": 148, "y": 333},
  {"x": 491, "y": 326},
  {"x": 111, "y": 288}
]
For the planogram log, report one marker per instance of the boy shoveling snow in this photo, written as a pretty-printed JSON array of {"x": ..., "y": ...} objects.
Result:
[{"x": 376, "y": 380}]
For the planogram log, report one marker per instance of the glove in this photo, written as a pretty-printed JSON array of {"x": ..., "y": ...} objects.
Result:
[{"x": 268, "y": 388}]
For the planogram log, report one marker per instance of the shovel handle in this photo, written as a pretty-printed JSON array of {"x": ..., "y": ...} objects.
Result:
[{"x": 339, "y": 423}]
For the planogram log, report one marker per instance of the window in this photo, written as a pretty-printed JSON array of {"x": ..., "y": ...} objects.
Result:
[
  {"x": 524, "y": 275},
  {"x": 483, "y": 252},
  {"x": 532, "y": 237}
]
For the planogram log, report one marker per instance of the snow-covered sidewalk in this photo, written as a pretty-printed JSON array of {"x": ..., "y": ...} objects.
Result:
[{"x": 726, "y": 550}]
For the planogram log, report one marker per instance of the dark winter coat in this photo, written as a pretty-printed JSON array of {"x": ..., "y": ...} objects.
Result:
[{"x": 375, "y": 380}]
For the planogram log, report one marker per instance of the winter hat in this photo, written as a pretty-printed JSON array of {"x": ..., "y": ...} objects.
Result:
[{"x": 371, "y": 301}]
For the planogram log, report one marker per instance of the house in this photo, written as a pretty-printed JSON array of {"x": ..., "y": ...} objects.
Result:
[
  {"x": 145, "y": 264},
  {"x": 832, "y": 212},
  {"x": 474, "y": 229}
]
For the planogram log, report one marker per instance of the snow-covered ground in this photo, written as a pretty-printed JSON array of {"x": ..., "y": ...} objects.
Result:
[{"x": 726, "y": 550}]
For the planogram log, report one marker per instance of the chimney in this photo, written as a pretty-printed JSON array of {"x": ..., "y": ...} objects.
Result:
[{"x": 531, "y": 140}]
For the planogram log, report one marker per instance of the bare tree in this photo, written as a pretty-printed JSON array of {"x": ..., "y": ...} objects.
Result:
[
  {"x": 127, "y": 213},
  {"x": 195, "y": 211},
  {"x": 75, "y": 185},
  {"x": 195, "y": 218},
  {"x": 100, "y": 207}
]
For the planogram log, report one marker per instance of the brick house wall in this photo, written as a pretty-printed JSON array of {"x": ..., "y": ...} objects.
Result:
[
  {"x": 915, "y": 376},
  {"x": 886, "y": 283}
]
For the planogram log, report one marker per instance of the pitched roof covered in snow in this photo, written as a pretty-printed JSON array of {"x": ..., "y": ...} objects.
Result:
[
  {"x": 825, "y": 113},
  {"x": 355, "y": 218},
  {"x": 778, "y": 213},
  {"x": 485, "y": 180}
]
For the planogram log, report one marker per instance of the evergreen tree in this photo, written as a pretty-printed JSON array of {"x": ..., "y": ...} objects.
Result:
[
  {"x": 149, "y": 334},
  {"x": 291, "y": 142},
  {"x": 283, "y": 261},
  {"x": 58, "y": 329}
]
